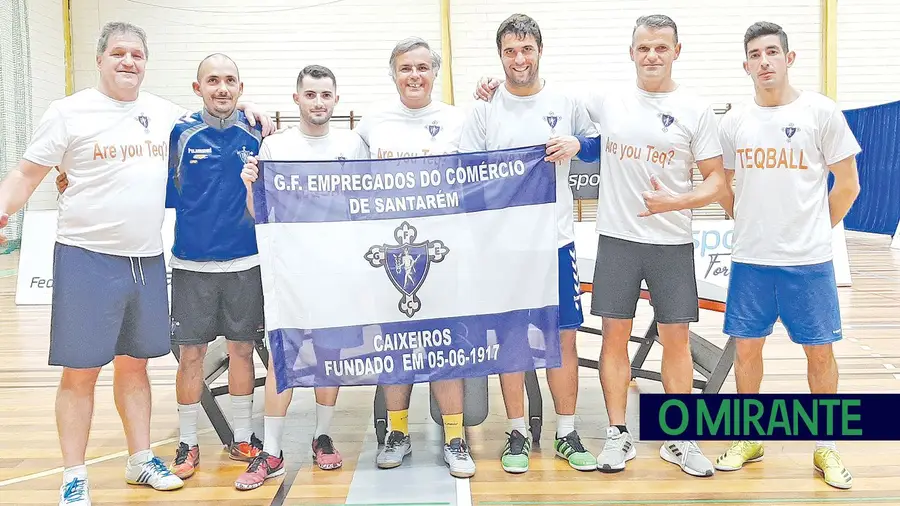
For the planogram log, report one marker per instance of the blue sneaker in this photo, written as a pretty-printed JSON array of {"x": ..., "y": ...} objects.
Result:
[{"x": 75, "y": 493}]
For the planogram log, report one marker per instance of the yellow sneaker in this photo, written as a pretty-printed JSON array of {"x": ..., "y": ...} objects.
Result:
[
  {"x": 828, "y": 462},
  {"x": 740, "y": 453}
]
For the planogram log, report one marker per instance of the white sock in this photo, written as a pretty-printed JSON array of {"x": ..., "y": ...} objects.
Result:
[
  {"x": 519, "y": 425},
  {"x": 141, "y": 457},
  {"x": 826, "y": 444},
  {"x": 70, "y": 473},
  {"x": 565, "y": 424},
  {"x": 323, "y": 419},
  {"x": 242, "y": 411},
  {"x": 274, "y": 427},
  {"x": 187, "y": 420}
]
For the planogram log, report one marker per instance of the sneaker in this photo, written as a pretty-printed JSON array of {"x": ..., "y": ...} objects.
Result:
[
  {"x": 324, "y": 453},
  {"x": 245, "y": 451},
  {"x": 397, "y": 446},
  {"x": 153, "y": 473},
  {"x": 187, "y": 458},
  {"x": 261, "y": 468},
  {"x": 571, "y": 449},
  {"x": 515, "y": 455},
  {"x": 828, "y": 462},
  {"x": 740, "y": 453},
  {"x": 75, "y": 493},
  {"x": 687, "y": 455},
  {"x": 457, "y": 455},
  {"x": 618, "y": 449}
]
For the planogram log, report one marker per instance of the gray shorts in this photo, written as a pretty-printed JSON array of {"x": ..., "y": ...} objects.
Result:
[
  {"x": 206, "y": 305},
  {"x": 106, "y": 305},
  {"x": 669, "y": 272}
]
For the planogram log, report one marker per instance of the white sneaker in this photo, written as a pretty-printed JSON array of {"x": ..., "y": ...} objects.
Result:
[
  {"x": 618, "y": 449},
  {"x": 687, "y": 455},
  {"x": 153, "y": 473},
  {"x": 75, "y": 493},
  {"x": 457, "y": 455},
  {"x": 397, "y": 446}
]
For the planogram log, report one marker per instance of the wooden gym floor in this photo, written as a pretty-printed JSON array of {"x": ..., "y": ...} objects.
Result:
[{"x": 868, "y": 357}]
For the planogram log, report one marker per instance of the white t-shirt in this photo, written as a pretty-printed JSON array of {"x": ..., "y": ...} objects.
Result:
[
  {"x": 291, "y": 144},
  {"x": 115, "y": 155},
  {"x": 780, "y": 156},
  {"x": 393, "y": 130},
  {"x": 645, "y": 134},
  {"x": 512, "y": 121}
]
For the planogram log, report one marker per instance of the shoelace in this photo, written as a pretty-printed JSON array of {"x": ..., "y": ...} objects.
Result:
[
  {"x": 394, "y": 440},
  {"x": 159, "y": 466},
  {"x": 459, "y": 450},
  {"x": 575, "y": 442},
  {"x": 181, "y": 454},
  {"x": 831, "y": 458},
  {"x": 516, "y": 443},
  {"x": 325, "y": 444},
  {"x": 75, "y": 490},
  {"x": 258, "y": 461}
]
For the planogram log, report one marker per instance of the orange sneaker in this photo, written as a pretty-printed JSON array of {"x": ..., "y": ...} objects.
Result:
[
  {"x": 187, "y": 458},
  {"x": 245, "y": 451}
]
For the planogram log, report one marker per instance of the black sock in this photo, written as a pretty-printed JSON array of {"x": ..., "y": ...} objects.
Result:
[{"x": 623, "y": 429}]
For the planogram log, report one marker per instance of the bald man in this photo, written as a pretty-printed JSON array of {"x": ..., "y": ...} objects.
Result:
[{"x": 216, "y": 285}]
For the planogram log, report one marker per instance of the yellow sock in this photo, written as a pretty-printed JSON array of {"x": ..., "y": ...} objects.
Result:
[
  {"x": 399, "y": 420},
  {"x": 453, "y": 427}
]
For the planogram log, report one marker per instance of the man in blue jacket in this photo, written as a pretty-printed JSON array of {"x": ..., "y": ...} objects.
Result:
[{"x": 216, "y": 284}]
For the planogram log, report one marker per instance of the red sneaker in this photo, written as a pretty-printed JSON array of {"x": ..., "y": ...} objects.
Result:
[
  {"x": 186, "y": 461},
  {"x": 324, "y": 453},
  {"x": 263, "y": 467},
  {"x": 245, "y": 451}
]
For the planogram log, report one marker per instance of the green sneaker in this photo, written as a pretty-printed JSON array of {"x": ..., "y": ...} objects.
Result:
[
  {"x": 515, "y": 455},
  {"x": 571, "y": 449}
]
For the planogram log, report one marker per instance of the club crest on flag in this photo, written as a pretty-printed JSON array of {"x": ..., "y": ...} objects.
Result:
[{"x": 407, "y": 264}]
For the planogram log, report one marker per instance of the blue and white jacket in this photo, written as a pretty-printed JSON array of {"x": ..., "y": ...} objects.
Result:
[{"x": 206, "y": 156}]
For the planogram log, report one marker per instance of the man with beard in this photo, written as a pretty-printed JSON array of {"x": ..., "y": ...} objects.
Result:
[
  {"x": 528, "y": 111},
  {"x": 312, "y": 139},
  {"x": 654, "y": 132}
]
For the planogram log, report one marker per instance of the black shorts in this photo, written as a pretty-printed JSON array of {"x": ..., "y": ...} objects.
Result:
[
  {"x": 669, "y": 272},
  {"x": 206, "y": 305}
]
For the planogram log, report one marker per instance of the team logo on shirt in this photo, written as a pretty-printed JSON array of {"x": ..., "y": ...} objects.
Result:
[
  {"x": 667, "y": 121},
  {"x": 552, "y": 120},
  {"x": 144, "y": 121},
  {"x": 434, "y": 128},
  {"x": 244, "y": 154},
  {"x": 407, "y": 264},
  {"x": 789, "y": 131}
]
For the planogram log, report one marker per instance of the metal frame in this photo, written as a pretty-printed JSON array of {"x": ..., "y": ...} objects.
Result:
[{"x": 208, "y": 395}]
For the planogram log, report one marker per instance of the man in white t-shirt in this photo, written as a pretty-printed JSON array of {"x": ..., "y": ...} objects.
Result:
[
  {"x": 527, "y": 111},
  {"x": 312, "y": 139},
  {"x": 781, "y": 146},
  {"x": 110, "y": 301},
  {"x": 413, "y": 125},
  {"x": 653, "y": 132}
]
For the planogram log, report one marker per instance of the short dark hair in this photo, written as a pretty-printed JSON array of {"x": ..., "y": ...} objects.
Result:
[
  {"x": 656, "y": 22},
  {"x": 316, "y": 72},
  {"x": 521, "y": 26},
  {"x": 763, "y": 28}
]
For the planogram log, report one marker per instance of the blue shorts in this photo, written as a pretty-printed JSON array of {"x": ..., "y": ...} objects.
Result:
[
  {"x": 570, "y": 313},
  {"x": 804, "y": 297},
  {"x": 106, "y": 305}
]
